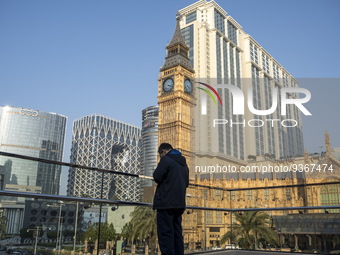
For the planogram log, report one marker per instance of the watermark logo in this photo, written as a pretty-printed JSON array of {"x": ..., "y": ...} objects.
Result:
[
  {"x": 239, "y": 99},
  {"x": 274, "y": 99},
  {"x": 204, "y": 97}
]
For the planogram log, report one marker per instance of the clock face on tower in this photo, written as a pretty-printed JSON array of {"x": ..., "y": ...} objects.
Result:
[
  {"x": 187, "y": 86},
  {"x": 168, "y": 84}
]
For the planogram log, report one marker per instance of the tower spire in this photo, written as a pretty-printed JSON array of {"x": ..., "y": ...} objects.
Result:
[
  {"x": 177, "y": 37},
  {"x": 177, "y": 50},
  {"x": 328, "y": 144}
]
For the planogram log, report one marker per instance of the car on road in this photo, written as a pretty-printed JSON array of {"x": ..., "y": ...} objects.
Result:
[
  {"x": 231, "y": 246},
  {"x": 216, "y": 248}
]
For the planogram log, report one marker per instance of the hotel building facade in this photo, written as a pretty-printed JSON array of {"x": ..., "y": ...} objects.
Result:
[
  {"x": 212, "y": 48},
  {"x": 30, "y": 133},
  {"x": 105, "y": 143},
  {"x": 221, "y": 52}
]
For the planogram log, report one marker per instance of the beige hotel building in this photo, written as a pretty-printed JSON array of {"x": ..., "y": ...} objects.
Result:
[
  {"x": 210, "y": 47},
  {"x": 221, "y": 52}
]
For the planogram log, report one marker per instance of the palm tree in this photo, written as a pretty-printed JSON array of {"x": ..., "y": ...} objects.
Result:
[
  {"x": 3, "y": 221},
  {"x": 107, "y": 232},
  {"x": 128, "y": 232},
  {"x": 251, "y": 228},
  {"x": 143, "y": 220}
]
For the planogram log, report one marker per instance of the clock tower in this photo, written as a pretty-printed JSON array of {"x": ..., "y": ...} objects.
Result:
[{"x": 176, "y": 98}]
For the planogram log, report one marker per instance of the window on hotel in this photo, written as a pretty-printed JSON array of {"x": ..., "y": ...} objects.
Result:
[
  {"x": 232, "y": 33},
  {"x": 254, "y": 55},
  {"x": 191, "y": 17},
  {"x": 265, "y": 63},
  {"x": 219, "y": 21}
]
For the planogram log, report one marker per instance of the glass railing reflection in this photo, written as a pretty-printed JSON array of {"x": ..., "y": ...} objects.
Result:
[{"x": 295, "y": 217}]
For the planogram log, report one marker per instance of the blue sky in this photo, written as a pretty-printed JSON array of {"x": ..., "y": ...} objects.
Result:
[{"x": 83, "y": 56}]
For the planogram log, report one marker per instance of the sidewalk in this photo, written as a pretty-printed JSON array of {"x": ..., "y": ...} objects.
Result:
[{"x": 248, "y": 252}]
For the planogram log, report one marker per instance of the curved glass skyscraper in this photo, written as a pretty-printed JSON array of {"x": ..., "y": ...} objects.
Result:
[
  {"x": 31, "y": 133},
  {"x": 149, "y": 142}
]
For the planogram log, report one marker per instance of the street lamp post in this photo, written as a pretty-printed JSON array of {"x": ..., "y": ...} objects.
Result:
[
  {"x": 75, "y": 229},
  {"x": 231, "y": 221},
  {"x": 36, "y": 237},
  {"x": 231, "y": 227},
  {"x": 280, "y": 238},
  {"x": 59, "y": 234},
  {"x": 205, "y": 220},
  {"x": 36, "y": 241},
  {"x": 100, "y": 212},
  {"x": 59, "y": 229},
  {"x": 314, "y": 223},
  {"x": 205, "y": 217}
]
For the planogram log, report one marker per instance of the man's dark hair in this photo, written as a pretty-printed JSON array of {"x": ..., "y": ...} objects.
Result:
[{"x": 164, "y": 147}]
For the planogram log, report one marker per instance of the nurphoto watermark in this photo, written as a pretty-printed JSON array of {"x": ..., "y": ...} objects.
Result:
[{"x": 274, "y": 100}]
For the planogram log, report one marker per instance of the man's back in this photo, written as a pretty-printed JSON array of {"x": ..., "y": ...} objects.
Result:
[{"x": 172, "y": 178}]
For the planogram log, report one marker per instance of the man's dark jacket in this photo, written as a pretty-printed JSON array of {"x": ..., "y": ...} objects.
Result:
[{"x": 172, "y": 178}]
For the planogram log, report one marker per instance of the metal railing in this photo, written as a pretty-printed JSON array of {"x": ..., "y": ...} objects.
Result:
[{"x": 229, "y": 210}]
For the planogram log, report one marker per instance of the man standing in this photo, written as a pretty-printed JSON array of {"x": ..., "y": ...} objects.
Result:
[{"x": 172, "y": 178}]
